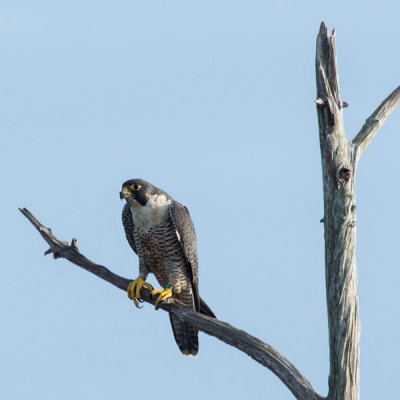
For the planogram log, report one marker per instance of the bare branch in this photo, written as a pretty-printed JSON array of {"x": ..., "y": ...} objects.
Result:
[
  {"x": 375, "y": 122},
  {"x": 71, "y": 253},
  {"x": 255, "y": 348}
]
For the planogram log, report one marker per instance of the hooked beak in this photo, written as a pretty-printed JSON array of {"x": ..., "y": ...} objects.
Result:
[{"x": 124, "y": 193}]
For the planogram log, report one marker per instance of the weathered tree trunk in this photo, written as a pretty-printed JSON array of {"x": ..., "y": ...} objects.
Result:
[
  {"x": 339, "y": 161},
  {"x": 338, "y": 172}
]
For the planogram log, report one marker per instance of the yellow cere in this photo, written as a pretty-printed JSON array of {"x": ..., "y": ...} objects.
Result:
[{"x": 126, "y": 191}]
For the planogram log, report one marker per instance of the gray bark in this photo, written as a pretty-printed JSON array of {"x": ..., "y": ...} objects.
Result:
[{"x": 339, "y": 162}]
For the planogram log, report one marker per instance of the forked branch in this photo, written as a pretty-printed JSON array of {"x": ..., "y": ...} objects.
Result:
[{"x": 250, "y": 345}]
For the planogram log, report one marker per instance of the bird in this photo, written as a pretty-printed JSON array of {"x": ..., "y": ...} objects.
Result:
[{"x": 161, "y": 232}]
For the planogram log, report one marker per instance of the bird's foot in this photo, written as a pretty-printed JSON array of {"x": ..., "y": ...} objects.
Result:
[
  {"x": 135, "y": 287},
  {"x": 163, "y": 295}
]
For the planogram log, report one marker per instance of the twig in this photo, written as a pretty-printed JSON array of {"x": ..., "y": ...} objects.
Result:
[{"x": 255, "y": 348}]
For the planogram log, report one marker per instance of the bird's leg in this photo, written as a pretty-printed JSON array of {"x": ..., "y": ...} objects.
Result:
[
  {"x": 163, "y": 295},
  {"x": 135, "y": 287}
]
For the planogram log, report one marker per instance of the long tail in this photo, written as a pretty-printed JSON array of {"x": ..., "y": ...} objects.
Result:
[{"x": 186, "y": 336}]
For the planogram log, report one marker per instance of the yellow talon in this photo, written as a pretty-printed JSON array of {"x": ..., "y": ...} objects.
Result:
[
  {"x": 135, "y": 287},
  {"x": 163, "y": 294}
]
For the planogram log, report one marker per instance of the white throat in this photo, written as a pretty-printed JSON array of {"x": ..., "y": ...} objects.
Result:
[{"x": 154, "y": 212}]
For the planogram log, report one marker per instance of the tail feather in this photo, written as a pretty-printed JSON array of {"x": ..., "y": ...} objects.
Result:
[{"x": 186, "y": 336}]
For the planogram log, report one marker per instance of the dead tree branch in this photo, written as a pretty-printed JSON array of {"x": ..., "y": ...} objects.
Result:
[
  {"x": 253, "y": 347},
  {"x": 375, "y": 122}
]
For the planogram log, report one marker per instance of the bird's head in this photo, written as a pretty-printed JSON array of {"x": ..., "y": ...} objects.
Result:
[{"x": 138, "y": 192}]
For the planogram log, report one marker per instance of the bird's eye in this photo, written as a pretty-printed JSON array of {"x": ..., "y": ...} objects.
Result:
[{"x": 136, "y": 187}]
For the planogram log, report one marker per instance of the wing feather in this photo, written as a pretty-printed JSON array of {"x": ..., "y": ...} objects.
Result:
[
  {"x": 127, "y": 221},
  {"x": 185, "y": 233}
]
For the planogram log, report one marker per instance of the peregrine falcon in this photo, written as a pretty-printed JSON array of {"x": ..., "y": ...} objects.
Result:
[{"x": 161, "y": 232}]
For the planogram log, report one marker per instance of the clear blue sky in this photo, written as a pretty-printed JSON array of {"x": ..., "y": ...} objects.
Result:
[{"x": 213, "y": 102}]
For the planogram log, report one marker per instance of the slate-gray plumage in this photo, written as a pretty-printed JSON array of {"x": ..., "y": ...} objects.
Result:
[{"x": 161, "y": 232}]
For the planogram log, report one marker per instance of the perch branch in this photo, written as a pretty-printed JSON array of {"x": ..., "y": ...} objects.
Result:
[
  {"x": 375, "y": 122},
  {"x": 255, "y": 348}
]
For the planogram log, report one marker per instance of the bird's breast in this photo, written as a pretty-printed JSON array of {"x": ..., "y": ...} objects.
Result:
[{"x": 155, "y": 212}]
